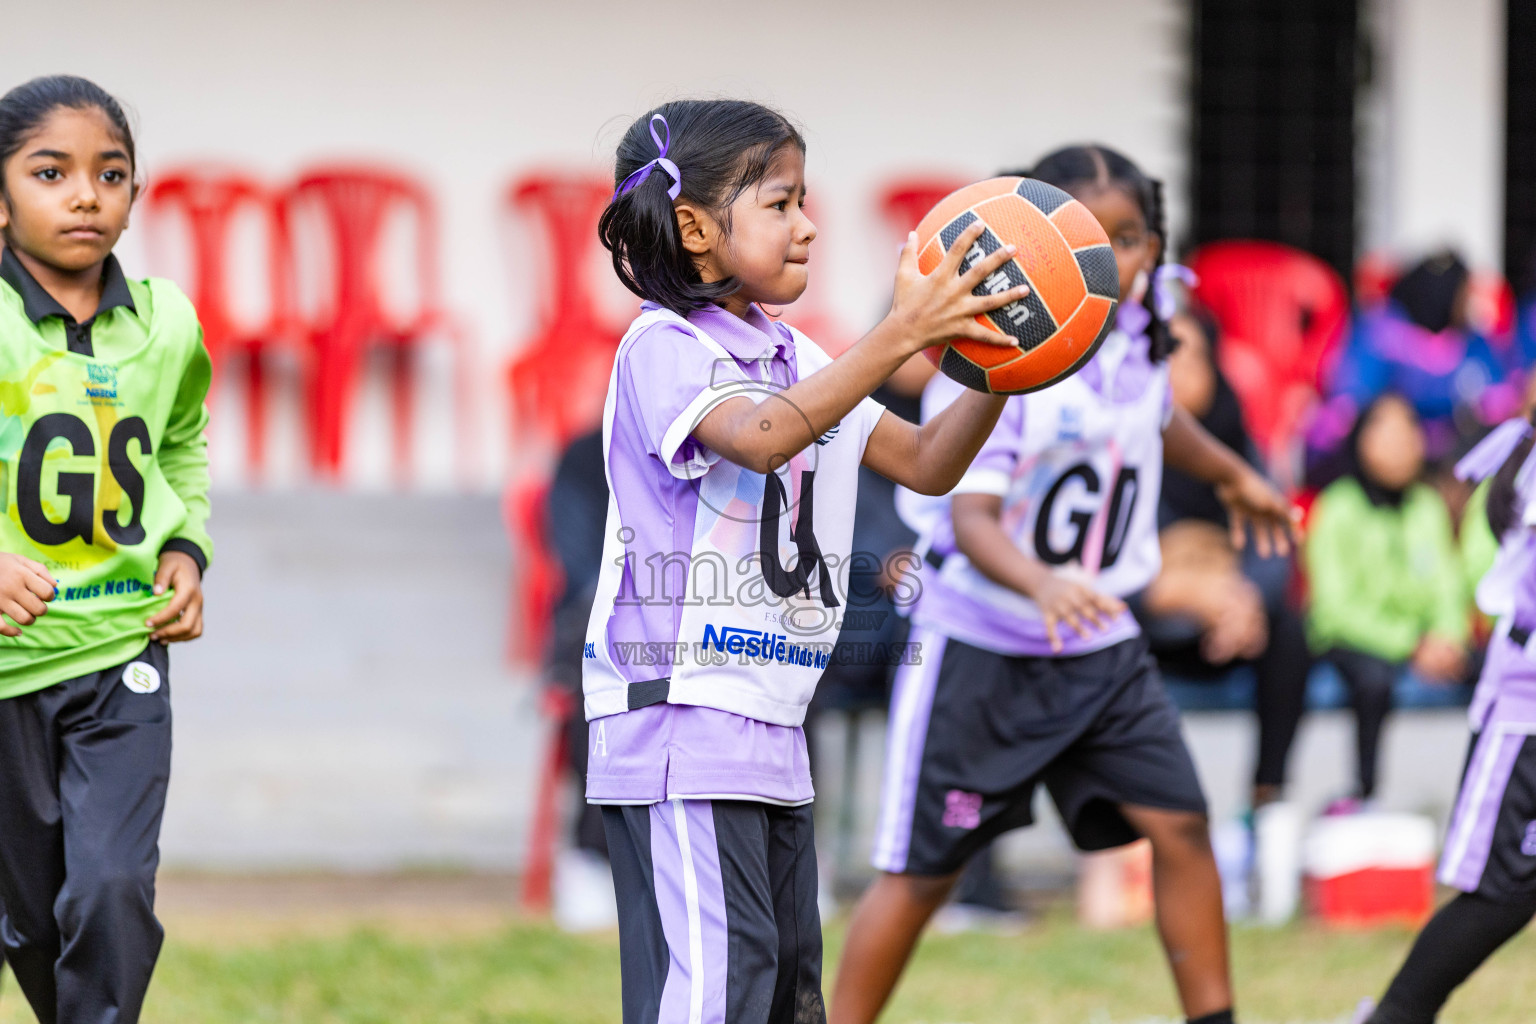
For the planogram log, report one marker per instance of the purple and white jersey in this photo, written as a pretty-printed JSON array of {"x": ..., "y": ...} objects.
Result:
[
  {"x": 721, "y": 588},
  {"x": 1503, "y": 711},
  {"x": 1507, "y": 593},
  {"x": 1079, "y": 466}
]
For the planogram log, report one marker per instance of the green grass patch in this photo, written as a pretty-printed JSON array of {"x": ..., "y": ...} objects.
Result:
[{"x": 528, "y": 973}]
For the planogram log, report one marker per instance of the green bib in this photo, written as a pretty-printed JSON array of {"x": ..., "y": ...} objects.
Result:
[{"x": 102, "y": 461}]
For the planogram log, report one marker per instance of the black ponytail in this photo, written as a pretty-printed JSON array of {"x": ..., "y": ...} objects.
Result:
[
  {"x": 721, "y": 149},
  {"x": 24, "y": 108},
  {"x": 1503, "y": 497},
  {"x": 1080, "y": 169}
]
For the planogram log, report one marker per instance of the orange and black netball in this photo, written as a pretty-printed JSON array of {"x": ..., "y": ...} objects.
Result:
[{"x": 1062, "y": 254}]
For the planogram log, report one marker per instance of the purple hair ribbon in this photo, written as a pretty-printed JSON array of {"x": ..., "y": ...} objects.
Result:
[
  {"x": 636, "y": 179},
  {"x": 1133, "y": 318},
  {"x": 1490, "y": 453}
]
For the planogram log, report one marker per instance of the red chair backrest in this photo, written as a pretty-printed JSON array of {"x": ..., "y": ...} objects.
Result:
[
  {"x": 355, "y": 204},
  {"x": 904, "y": 202},
  {"x": 210, "y": 199},
  {"x": 1282, "y": 314},
  {"x": 559, "y": 376}
]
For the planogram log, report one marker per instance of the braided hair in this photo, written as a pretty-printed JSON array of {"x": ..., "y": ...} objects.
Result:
[{"x": 1086, "y": 168}]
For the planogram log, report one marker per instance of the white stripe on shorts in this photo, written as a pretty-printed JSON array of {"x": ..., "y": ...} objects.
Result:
[
  {"x": 695, "y": 929},
  {"x": 911, "y": 704},
  {"x": 1473, "y": 819}
]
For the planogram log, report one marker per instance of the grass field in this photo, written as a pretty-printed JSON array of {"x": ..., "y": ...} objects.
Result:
[{"x": 465, "y": 965}]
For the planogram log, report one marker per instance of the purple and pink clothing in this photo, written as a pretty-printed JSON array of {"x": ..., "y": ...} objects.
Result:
[
  {"x": 1439, "y": 373},
  {"x": 721, "y": 588},
  {"x": 1495, "y": 808}
]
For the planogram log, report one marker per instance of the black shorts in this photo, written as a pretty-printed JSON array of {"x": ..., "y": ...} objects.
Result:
[
  {"x": 972, "y": 733},
  {"x": 1490, "y": 846},
  {"x": 717, "y": 912}
]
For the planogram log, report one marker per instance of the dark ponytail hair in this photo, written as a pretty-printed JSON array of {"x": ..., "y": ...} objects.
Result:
[
  {"x": 721, "y": 148},
  {"x": 1503, "y": 498},
  {"x": 1081, "y": 169},
  {"x": 24, "y": 109}
]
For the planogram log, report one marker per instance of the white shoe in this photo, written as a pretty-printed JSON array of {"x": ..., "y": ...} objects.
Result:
[
  {"x": 583, "y": 892},
  {"x": 1363, "y": 1011}
]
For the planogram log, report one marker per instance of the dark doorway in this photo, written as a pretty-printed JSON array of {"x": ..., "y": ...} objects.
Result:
[
  {"x": 1274, "y": 123},
  {"x": 1520, "y": 148}
]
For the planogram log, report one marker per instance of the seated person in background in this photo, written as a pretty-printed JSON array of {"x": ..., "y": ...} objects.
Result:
[
  {"x": 1419, "y": 345},
  {"x": 576, "y": 511},
  {"x": 1212, "y": 605},
  {"x": 1385, "y": 575}
]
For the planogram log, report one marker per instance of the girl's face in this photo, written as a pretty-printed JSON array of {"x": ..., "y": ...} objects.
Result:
[
  {"x": 1136, "y": 247},
  {"x": 68, "y": 190},
  {"x": 1392, "y": 445},
  {"x": 769, "y": 242}
]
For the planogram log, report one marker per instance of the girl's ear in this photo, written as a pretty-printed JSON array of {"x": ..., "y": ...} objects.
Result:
[{"x": 696, "y": 228}]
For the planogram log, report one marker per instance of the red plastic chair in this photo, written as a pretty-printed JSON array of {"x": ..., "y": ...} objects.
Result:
[
  {"x": 353, "y": 205},
  {"x": 557, "y": 383},
  {"x": 1282, "y": 314},
  {"x": 557, "y": 380},
  {"x": 905, "y": 201},
  {"x": 210, "y": 199}
]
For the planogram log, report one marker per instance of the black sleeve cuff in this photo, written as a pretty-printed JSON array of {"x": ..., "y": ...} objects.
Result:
[{"x": 188, "y": 548}]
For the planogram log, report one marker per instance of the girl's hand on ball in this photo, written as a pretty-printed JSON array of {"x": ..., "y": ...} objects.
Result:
[
  {"x": 934, "y": 308},
  {"x": 26, "y": 587}
]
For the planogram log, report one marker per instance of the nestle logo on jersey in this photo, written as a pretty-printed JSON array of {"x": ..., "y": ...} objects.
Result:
[
  {"x": 752, "y": 643},
  {"x": 101, "y": 380},
  {"x": 1070, "y": 425}
]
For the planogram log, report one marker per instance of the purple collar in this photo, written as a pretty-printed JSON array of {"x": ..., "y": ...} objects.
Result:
[{"x": 747, "y": 339}]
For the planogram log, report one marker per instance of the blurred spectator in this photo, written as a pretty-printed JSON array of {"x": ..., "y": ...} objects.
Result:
[
  {"x": 1213, "y": 606},
  {"x": 577, "y": 514},
  {"x": 1386, "y": 581},
  {"x": 1419, "y": 344}
]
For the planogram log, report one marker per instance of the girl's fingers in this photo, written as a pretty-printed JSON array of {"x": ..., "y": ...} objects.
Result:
[
  {"x": 1071, "y": 618},
  {"x": 970, "y": 330},
  {"x": 1088, "y": 608},
  {"x": 1261, "y": 537},
  {"x": 43, "y": 586},
  {"x": 40, "y": 569},
  {"x": 949, "y": 267},
  {"x": 984, "y": 267},
  {"x": 1051, "y": 633},
  {"x": 1111, "y": 606},
  {"x": 17, "y": 614},
  {"x": 32, "y": 603},
  {"x": 1282, "y": 543},
  {"x": 1238, "y": 526},
  {"x": 173, "y": 610},
  {"x": 906, "y": 263},
  {"x": 991, "y": 302}
]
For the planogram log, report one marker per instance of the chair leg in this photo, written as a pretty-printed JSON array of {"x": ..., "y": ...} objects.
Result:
[
  {"x": 402, "y": 371},
  {"x": 255, "y": 415},
  {"x": 331, "y": 386}
]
